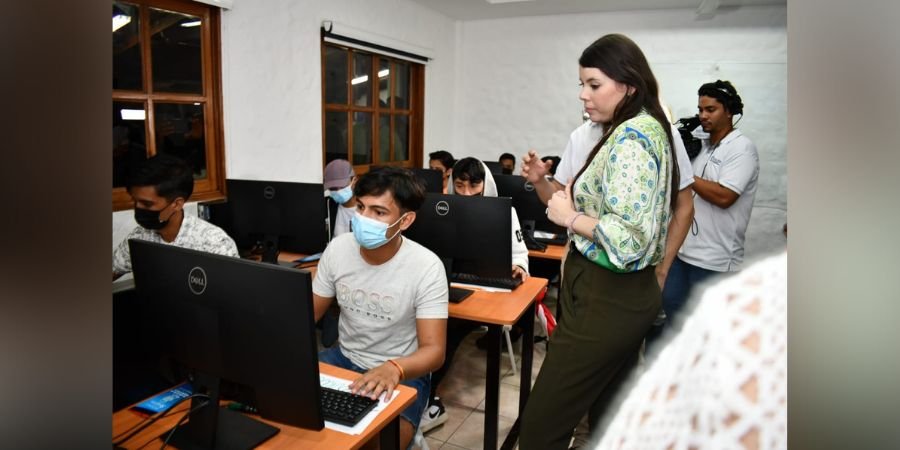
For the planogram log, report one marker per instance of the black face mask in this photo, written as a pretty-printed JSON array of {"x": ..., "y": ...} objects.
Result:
[
  {"x": 506, "y": 171},
  {"x": 149, "y": 219}
]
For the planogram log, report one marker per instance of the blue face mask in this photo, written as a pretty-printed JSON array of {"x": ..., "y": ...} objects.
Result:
[
  {"x": 370, "y": 233},
  {"x": 341, "y": 195}
]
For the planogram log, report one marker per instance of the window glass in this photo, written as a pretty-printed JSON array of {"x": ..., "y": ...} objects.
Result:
[
  {"x": 368, "y": 108},
  {"x": 362, "y": 138},
  {"x": 384, "y": 83},
  {"x": 175, "y": 42},
  {"x": 335, "y": 75},
  {"x": 180, "y": 132},
  {"x": 129, "y": 139},
  {"x": 401, "y": 137},
  {"x": 401, "y": 88},
  {"x": 384, "y": 135},
  {"x": 127, "y": 68},
  {"x": 362, "y": 85},
  {"x": 335, "y": 135}
]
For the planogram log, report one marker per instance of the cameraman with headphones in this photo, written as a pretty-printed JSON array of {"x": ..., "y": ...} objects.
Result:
[{"x": 725, "y": 175}]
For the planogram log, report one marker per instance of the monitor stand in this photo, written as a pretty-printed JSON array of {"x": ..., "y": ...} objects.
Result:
[
  {"x": 217, "y": 428},
  {"x": 454, "y": 294},
  {"x": 270, "y": 249},
  {"x": 528, "y": 237}
]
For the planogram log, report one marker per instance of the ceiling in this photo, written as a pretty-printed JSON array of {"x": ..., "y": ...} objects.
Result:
[{"x": 482, "y": 9}]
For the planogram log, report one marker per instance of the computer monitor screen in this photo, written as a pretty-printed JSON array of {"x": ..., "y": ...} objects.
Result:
[
  {"x": 528, "y": 205},
  {"x": 433, "y": 179},
  {"x": 272, "y": 216},
  {"x": 236, "y": 320},
  {"x": 474, "y": 232},
  {"x": 494, "y": 166}
]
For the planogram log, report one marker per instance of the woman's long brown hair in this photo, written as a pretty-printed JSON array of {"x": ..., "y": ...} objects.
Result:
[{"x": 622, "y": 60}]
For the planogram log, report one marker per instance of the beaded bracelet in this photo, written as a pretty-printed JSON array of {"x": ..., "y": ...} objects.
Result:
[
  {"x": 402, "y": 374},
  {"x": 572, "y": 221}
]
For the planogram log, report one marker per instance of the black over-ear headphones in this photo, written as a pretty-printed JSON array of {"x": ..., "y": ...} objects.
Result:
[{"x": 732, "y": 100}]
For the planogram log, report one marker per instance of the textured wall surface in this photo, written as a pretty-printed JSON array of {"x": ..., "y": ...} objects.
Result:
[{"x": 494, "y": 86}]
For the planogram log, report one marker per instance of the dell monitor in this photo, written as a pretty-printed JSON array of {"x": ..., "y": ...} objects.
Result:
[
  {"x": 230, "y": 319},
  {"x": 273, "y": 216},
  {"x": 531, "y": 211},
  {"x": 473, "y": 232},
  {"x": 432, "y": 179},
  {"x": 494, "y": 166}
]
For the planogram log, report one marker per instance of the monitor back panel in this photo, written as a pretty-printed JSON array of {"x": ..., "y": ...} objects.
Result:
[
  {"x": 295, "y": 212},
  {"x": 475, "y": 232},
  {"x": 433, "y": 179},
  {"x": 527, "y": 203},
  {"x": 247, "y": 322}
]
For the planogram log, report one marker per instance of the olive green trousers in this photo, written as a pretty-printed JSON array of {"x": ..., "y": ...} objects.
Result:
[{"x": 604, "y": 317}]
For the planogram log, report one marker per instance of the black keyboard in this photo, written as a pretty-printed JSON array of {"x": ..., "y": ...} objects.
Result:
[
  {"x": 497, "y": 282},
  {"x": 459, "y": 294},
  {"x": 343, "y": 407}
]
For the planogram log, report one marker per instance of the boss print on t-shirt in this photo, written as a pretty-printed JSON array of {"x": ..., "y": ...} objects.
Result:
[{"x": 370, "y": 304}]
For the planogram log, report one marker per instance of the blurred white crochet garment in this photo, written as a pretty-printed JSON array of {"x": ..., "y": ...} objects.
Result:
[{"x": 721, "y": 383}]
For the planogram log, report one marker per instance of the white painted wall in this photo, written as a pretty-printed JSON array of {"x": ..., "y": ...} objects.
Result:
[
  {"x": 518, "y": 86},
  {"x": 493, "y": 85},
  {"x": 272, "y": 82}
]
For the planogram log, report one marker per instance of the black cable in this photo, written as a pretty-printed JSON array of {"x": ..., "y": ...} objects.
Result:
[
  {"x": 181, "y": 421},
  {"x": 152, "y": 419}
]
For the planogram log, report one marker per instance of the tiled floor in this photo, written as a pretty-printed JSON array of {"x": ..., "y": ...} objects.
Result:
[{"x": 463, "y": 394}]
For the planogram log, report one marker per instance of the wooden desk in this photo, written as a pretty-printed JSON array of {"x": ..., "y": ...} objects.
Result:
[
  {"x": 554, "y": 252},
  {"x": 290, "y": 257},
  {"x": 496, "y": 309},
  {"x": 386, "y": 423}
]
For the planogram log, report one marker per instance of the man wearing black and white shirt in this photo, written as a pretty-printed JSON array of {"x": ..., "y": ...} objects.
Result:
[{"x": 160, "y": 187}]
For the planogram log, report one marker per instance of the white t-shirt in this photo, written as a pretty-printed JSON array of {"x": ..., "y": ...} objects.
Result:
[
  {"x": 342, "y": 221},
  {"x": 583, "y": 139},
  {"x": 719, "y": 240},
  {"x": 380, "y": 304},
  {"x": 195, "y": 234}
]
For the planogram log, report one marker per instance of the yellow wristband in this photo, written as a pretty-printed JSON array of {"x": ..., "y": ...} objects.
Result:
[{"x": 398, "y": 368}]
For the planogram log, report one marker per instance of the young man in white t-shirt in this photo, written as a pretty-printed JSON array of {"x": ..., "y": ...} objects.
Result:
[
  {"x": 392, "y": 293},
  {"x": 726, "y": 169}
]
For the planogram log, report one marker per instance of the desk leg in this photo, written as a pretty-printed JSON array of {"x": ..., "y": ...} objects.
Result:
[
  {"x": 527, "y": 358},
  {"x": 492, "y": 388},
  {"x": 525, "y": 374},
  {"x": 389, "y": 436}
]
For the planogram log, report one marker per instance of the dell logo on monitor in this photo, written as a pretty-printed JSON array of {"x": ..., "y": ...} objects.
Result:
[
  {"x": 528, "y": 186},
  {"x": 197, "y": 280},
  {"x": 442, "y": 208},
  {"x": 269, "y": 192}
]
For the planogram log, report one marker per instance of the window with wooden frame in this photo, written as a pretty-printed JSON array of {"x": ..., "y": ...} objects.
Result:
[
  {"x": 372, "y": 108},
  {"x": 166, "y": 91}
]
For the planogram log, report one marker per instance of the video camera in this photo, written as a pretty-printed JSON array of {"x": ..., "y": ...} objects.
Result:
[{"x": 691, "y": 144}]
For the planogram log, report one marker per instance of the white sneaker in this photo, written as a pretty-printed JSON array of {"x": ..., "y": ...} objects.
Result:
[{"x": 435, "y": 415}]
